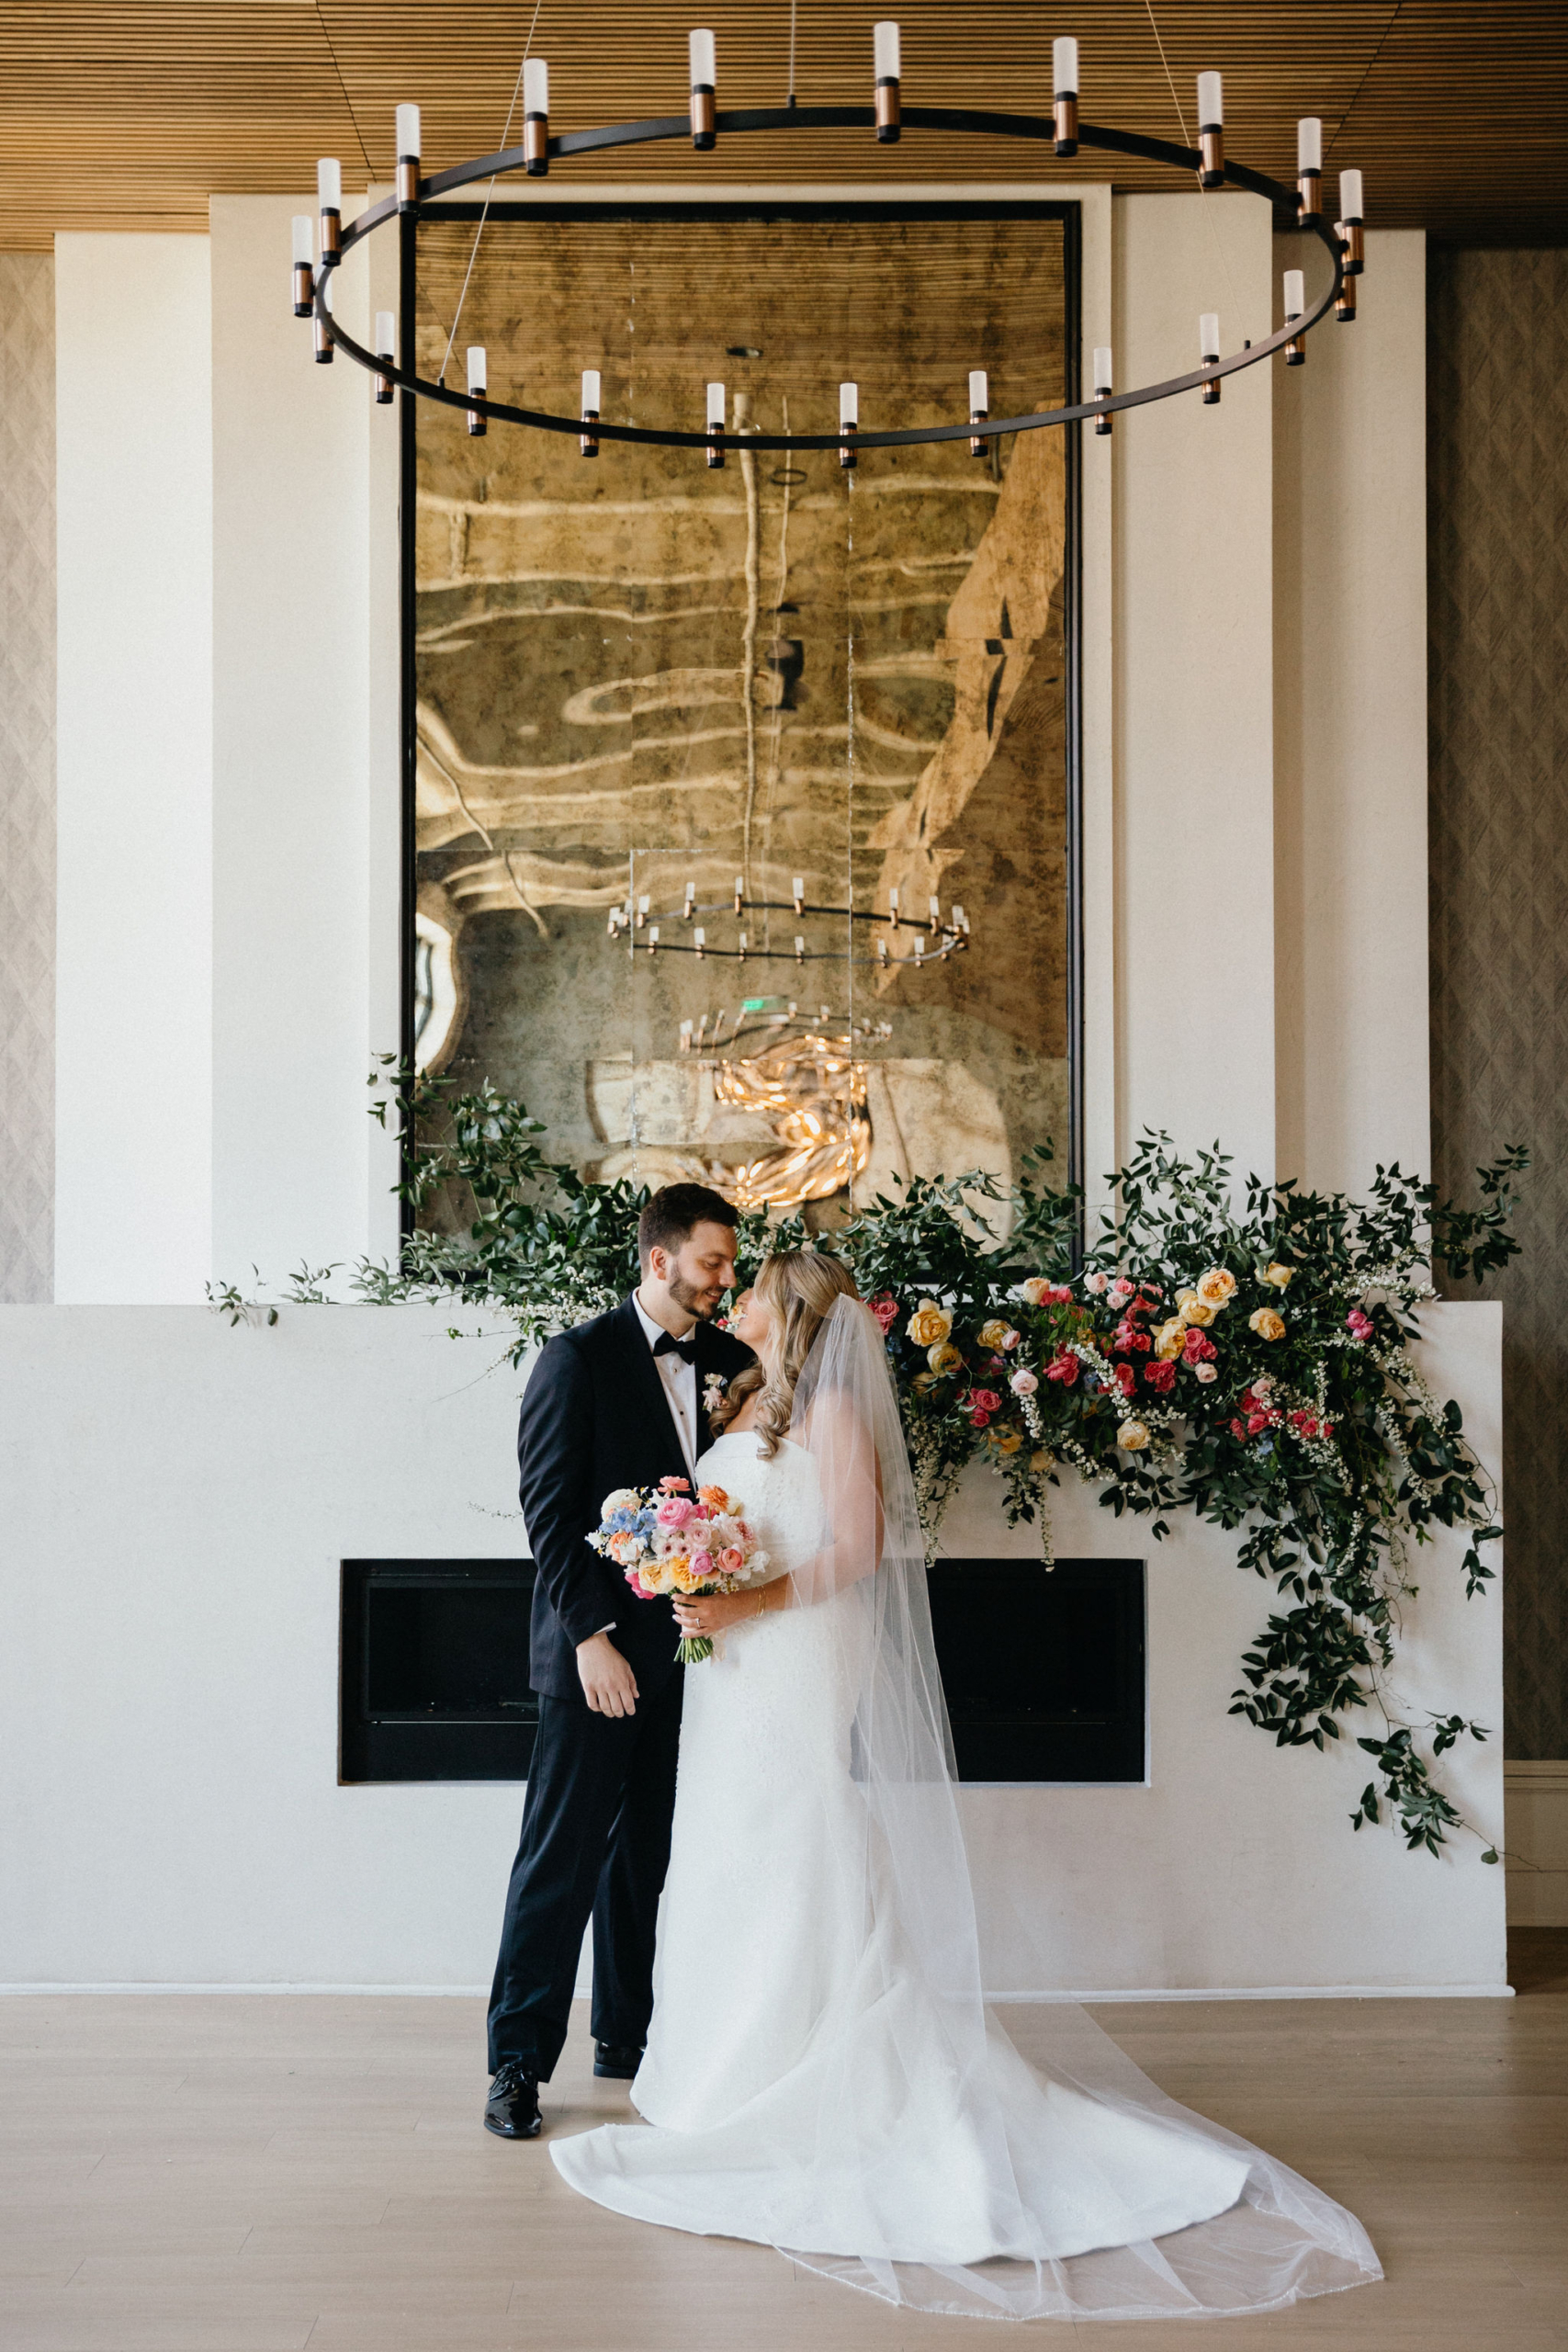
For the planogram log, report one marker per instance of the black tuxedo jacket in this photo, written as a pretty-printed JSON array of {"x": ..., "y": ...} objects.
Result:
[{"x": 597, "y": 1416}]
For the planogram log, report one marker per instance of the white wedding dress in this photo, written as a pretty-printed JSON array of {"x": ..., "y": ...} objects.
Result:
[{"x": 820, "y": 2074}]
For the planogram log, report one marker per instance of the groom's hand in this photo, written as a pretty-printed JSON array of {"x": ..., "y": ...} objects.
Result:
[{"x": 608, "y": 1683}]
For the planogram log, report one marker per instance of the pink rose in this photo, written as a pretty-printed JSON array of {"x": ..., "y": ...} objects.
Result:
[
  {"x": 1064, "y": 1366},
  {"x": 885, "y": 1310},
  {"x": 1197, "y": 1347},
  {"x": 732, "y": 1561},
  {"x": 1129, "y": 1338},
  {"x": 1205, "y": 1372},
  {"x": 984, "y": 1400},
  {"x": 1122, "y": 1287},
  {"x": 1161, "y": 1377},
  {"x": 674, "y": 1512},
  {"x": 1358, "y": 1325},
  {"x": 979, "y": 1419},
  {"x": 1023, "y": 1381},
  {"x": 1095, "y": 1282}
]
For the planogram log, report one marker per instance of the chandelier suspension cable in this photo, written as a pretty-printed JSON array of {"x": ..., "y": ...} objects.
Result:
[
  {"x": 789, "y": 95},
  {"x": 484, "y": 216}
]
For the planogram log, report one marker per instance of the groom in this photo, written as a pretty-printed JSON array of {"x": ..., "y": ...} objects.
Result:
[{"x": 618, "y": 1402}]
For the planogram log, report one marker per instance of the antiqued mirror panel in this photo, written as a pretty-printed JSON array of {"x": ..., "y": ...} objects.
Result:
[{"x": 742, "y": 792}]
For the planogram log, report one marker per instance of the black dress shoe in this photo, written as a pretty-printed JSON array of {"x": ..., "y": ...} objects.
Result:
[
  {"x": 513, "y": 2107},
  {"x": 619, "y": 2065}
]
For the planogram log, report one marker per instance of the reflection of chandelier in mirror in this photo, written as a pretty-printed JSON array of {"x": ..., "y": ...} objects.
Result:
[
  {"x": 805, "y": 1084},
  {"x": 935, "y": 938}
]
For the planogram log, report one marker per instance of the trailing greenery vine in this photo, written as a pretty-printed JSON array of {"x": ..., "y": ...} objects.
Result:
[{"x": 1253, "y": 1365}]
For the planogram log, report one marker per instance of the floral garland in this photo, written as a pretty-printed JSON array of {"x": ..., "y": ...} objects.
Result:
[{"x": 1253, "y": 1366}]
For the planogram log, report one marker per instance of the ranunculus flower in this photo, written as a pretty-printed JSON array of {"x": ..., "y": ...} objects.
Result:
[
  {"x": 1358, "y": 1325},
  {"x": 944, "y": 1358},
  {"x": 732, "y": 1561},
  {"x": 1161, "y": 1377},
  {"x": 1206, "y": 1373},
  {"x": 674, "y": 1511},
  {"x": 1267, "y": 1324},
  {"x": 1197, "y": 1347},
  {"x": 1064, "y": 1366},
  {"x": 1132, "y": 1436},
  {"x": 1281, "y": 1276},
  {"x": 1216, "y": 1285},
  {"x": 929, "y": 1325},
  {"x": 1023, "y": 1381},
  {"x": 714, "y": 1497},
  {"x": 885, "y": 1310},
  {"x": 674, "y": 1485},
  {"x": 1168, "y": 1339},
  {"x": 1096, "y": 1283}
]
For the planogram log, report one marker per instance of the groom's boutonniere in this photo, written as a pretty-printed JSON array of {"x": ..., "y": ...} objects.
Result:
[{"x": 714, "y": 1389}]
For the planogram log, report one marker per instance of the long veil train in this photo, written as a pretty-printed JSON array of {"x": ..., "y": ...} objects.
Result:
[{"x": 906, "y": 2147}]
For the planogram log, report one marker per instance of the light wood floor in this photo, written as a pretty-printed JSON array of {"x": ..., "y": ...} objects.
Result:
[{"x": 249, "y": 2174}]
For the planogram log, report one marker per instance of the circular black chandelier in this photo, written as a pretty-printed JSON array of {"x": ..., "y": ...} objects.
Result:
[{"x": 705, "y": 126}]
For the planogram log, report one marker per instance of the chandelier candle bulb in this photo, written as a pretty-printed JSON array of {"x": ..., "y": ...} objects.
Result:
[
  {"x": 653, "y": 938},
  {"x": 1344, "y": 308},
  {"x": 1064, "y": 85},
  {"x": 699, "y": 939},
  {"x": 1103, "y": 383},
  {"x": 740, "y": 893},
  {"x": 704, "y": 81},
  {"x": 979, "y": 407},
  {"x": 535, "y": 117},
  {"x": 887, "y": 55},
  {"x": 304, "y": 251},
  {"x": 1209, "y": 351},
  {"x": 408, "y": 149},
  {"x": 642, "y": 907},
  {"x": 716, "y": 424},
  {"x": 1295, "y": 303},
  {"x": 387, "y": 349},
  {"x": 848, "y": 420},
  {"x": 743, "y": 946},
  {"x": 689, "y": 908},
  {"x": 329, "y": 201},
  {"x": 799, "y": 948},
  {"x": 589, "y": 443},
  {"x": 1350, "y": 227},
  {"x": 1212, "y": 130},
  {"x": 1309, "y": 166},
  {"x": 797, "y": 890},
  {"x": 476, "y": 386}
]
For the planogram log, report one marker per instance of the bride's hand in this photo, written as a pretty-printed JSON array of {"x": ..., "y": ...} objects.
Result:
[{"x": 712, "y": 1611}]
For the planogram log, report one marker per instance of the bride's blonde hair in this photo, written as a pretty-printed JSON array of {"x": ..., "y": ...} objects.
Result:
[{"x": 799, "y": 1286}]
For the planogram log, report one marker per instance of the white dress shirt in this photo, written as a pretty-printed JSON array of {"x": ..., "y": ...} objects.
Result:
[{"x": 680, "y": 1380}]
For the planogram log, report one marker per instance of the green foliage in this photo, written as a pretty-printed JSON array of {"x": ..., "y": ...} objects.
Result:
[{"x": 1251, "y": 1364}]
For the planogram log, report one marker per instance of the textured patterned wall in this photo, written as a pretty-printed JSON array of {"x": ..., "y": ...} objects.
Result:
[
  {"x": 27, "y": 777},
  {"x": 1497, "y": 443}
]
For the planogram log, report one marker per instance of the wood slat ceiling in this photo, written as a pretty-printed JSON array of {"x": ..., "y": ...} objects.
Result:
[{"x": 129, "y": 117}]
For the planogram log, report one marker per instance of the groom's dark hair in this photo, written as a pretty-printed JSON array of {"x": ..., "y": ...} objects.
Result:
[{"x": 669, "y": 1217}]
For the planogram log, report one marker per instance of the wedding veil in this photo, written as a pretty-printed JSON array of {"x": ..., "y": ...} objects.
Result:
[{"x": 1079, "y": 2187}]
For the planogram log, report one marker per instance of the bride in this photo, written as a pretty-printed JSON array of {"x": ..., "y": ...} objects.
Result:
[{"x": 821, "y": 2073}]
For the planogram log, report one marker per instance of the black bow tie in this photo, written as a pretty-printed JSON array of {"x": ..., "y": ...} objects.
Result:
[{"x": 667, "y": 1344}]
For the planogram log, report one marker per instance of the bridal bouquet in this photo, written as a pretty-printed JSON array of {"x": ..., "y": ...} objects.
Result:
[{"x": 664, "y": 1544}]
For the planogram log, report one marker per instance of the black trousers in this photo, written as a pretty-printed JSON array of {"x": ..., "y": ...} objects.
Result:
[{"x": 596, "y": 1840}]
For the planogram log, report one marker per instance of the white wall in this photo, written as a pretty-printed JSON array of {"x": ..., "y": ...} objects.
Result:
[
  {"x": 178, "y": 1497},
  {"x": 1350, "y": 734},
  {"x": 1194, "y": 856},
  {"x": 133, "y": 1004}
]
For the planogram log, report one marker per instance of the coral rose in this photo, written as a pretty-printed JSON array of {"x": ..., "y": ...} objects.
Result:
[
  {"x": 1215, "y": 1286},
  {"x": 1063, "y": 1366},
  {"x": 1132, "y": 1436},
  {"x": 1267, "y": 1324},
  {"x": 943, "y": 1359},
  {"x": 929, "y": 1325},
  {"x": 674, "y": 1485},
  {"x": 1161, "y": 1377}
]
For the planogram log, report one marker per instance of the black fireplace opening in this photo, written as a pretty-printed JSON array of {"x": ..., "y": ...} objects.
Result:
[{"x": 1043, "y": 1672}]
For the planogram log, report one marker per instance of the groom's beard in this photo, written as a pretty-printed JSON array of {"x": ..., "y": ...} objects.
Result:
[{"x": 703, "y": 1303}]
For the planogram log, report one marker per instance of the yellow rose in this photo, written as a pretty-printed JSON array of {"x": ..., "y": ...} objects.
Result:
[
  {"x": 943, "y": 1359},
  {"x": 1267, "y": 1324},
  {"x": 1281, "y": 1276},
  {"x": 684, "y": 1575},
  {"x": 928, "y": 1325},
  {"x": 1039, "y": 1463},
  {"x": 923, "y": 1381},
  {"x": 1193, "y": 1309},
  {"x": 1168, "y": 1339},
  {"x": 1132, "y": 1436},
  {"x": 1006, "y": 1441},
  {"x": 1216, "y": 1286},
  {"x": 996, "y": 1334}
]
